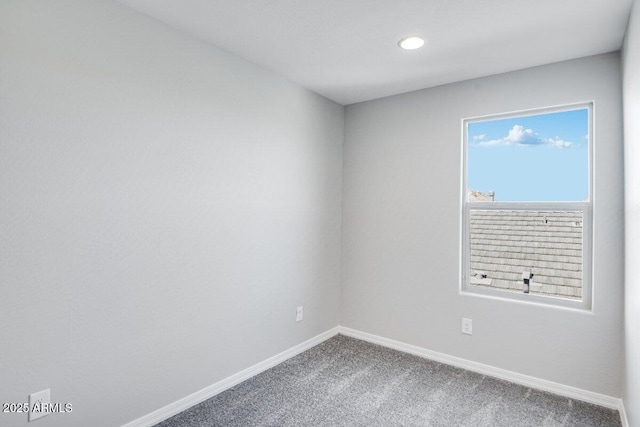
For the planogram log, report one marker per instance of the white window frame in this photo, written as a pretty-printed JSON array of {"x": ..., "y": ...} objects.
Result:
[{"x": 586, "y": 207}]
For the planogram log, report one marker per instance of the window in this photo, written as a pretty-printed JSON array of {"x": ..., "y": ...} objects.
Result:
[{"x": 526, "y": 212}]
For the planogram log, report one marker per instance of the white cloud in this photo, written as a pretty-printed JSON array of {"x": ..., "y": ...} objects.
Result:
[
  {"x": 558, "y": 142},
  {"x": 479, "y": 137},
  {"x": 520, "y": 136}
]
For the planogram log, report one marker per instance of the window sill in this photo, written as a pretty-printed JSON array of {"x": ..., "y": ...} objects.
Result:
[{"x": 581, "y": 306}]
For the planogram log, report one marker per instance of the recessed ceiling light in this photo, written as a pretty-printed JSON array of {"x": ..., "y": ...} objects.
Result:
[{"x": 411, "y": 43}]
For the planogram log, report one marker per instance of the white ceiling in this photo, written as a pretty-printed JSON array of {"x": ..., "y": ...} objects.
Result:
[{"x": 347, "y": 50}]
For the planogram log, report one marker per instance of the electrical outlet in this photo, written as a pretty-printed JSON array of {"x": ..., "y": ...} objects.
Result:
[
  {"x": 299, "y": 314},
  {"x": 39, "y": 404},
  {"x": 467, "y": 326}
]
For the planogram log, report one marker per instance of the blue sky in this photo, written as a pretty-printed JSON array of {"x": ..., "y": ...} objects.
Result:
[{"x": 533, "y": 158}]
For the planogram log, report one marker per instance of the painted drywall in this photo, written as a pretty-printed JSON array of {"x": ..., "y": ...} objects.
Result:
[
  {"x": 401, "y": 228},
  {"x": 631, "y": 98},
  {"x": 165, "y": 208}
]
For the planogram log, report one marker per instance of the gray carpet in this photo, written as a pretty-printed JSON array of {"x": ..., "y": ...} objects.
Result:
[{"x": 347, "y": 382}]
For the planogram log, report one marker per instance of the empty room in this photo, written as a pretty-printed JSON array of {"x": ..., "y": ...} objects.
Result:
[{"x": 319, "y": 213}]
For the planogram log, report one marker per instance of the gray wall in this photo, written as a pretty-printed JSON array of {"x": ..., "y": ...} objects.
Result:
[
  {"x": 631, "y": 94},
  {"x": 401, "y": 228},
  {"x": 165, "y": 206}
]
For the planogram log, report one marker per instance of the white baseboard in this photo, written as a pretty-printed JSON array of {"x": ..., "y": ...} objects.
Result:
[
  {"x": 552, "y": 387},
  {"x": 210, "y": 391},
  {"x": 623, "y": 415}
]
